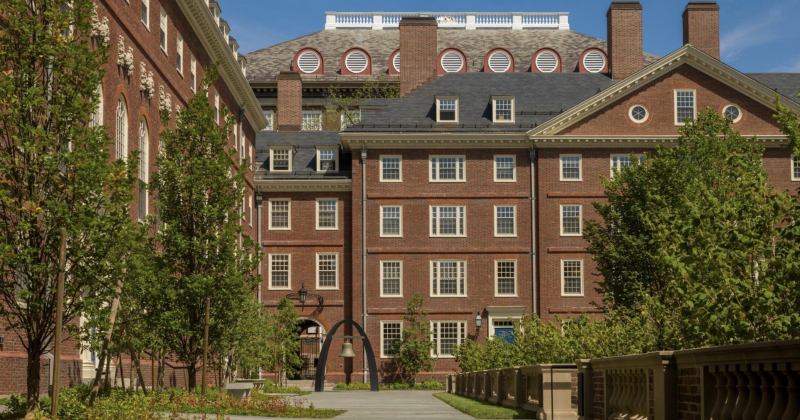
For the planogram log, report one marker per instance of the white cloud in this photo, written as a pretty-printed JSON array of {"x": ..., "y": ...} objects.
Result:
[
  {"x": 792, "y": 67},
  {"x": 760, "y": 31}
]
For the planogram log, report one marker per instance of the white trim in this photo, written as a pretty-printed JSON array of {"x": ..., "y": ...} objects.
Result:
[
  {"x": 179, "y": 52},
  {"x": 503, "y": 313},
  {"x": 319, "y": 61},
  {"x": 217, "y": 109},
  {"x": 336, "y": 213},
  {"x": 505, "y": 235},
  {"x": 646, "y": 114},
  {"x": 336, "y": 262},
  {"x": 494, "y": 109},
  {"x": 438, "y": 293},
  {"x": 675, "y": 105},
  {"x": 318, "y": 125},
  {"x": 335, "y": 159},
  {"x": 461, "y": 209},
  {"x": 270, "y": 116},
  {"x": 146, "y": 4},
  {"x": 250, "y": 215},
  {"x": 272, "y": 150},
  {"x": 461, "y": 168},
  {"x": 792, "y": 164},
  {"x": 382, "y": 235},
  {"x": 436, "y": 330},
  {"x": 438, "y": 108},
  {"x": 384, "y": 295},
  {"x": 504, "y": 54},
  {"x": 399, "y": 168},
  {"x": 741, "y": 113},
  {"x": 163, "y": 26},
  {"x": 193, "y": 74},
  {"x": 619, "y": 156},
  {"x": 347, "y": 61},
  {"x": 389, "y": 321},
  {"x": 583, "y": 288},
  {"x": 121, "y": 128},
  {"x": 513, "y": 170},
  {"x": 561, "y": 167},
  {"x": 543, "y": 52},
  {"x": 497, "y": 294},
  {"x": 449, "y": 52},
  {"x": 561, "y": 219},
  {"x": 269, "y": 271},
  {"x": 269, "y": 214}
]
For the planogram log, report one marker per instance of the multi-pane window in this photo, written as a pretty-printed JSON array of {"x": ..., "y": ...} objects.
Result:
[
  {"x": 391, "y": 221},
  {"x": 391, "y": 278},
  {"x": 391, "y": 170},
  {"x": 503, "y": 110},
  {"x": 685, "y": 106},
  {"x": 446, "y": 335},
  {"x": 505, "y": 168},
  {"x": 312, "y": 121},
  {"x": 122, "y": 129},
  {"x": 448, "y": 221},
  {"x": 216, "y": 107},
  {"x": 448, "y": 278},
  {"x": 270, "y": 117},
  {"x": 143, "y": 167},
  {"x": 179, "y": 54},
  {"x": 795, "y": 168},
  {"x": 447, "y": 110},
  {"x": 506, "y": 278},
  {"x": 327, "y": 271},
  {"x": 97, "y": 115},
  {"x": 193, "y": 73},
  {"x": 350, "y": 118},
  {"x": 505, "y": 220},
  {"x": 146, "y": 13},
  {"x": 163, "y": 31},
  {"x": 572, "y": 277},
  {"x": 279, "y": 271},
  {"x": 622, "y": 161},
  {"x": 447, "y": 168},
  {"x": 326, "y": 213},
  {"x": 570, "y": 167},
  {"x": 570, "y": 220},
  {"x": 280, "y": 160},
  {"x": 327, "y": 160},
  {"x": 391, "y": 334}
]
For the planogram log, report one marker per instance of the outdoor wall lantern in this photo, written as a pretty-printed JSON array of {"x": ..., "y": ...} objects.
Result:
[
  {"x": 303, "y": 295},
  {"x": 478, "y": 321}
]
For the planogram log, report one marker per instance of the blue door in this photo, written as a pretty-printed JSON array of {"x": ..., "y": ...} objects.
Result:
[{"x": 506, "y": 333}]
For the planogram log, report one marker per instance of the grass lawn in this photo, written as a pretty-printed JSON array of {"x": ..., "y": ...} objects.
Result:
[{"x": 484, "y": 410}]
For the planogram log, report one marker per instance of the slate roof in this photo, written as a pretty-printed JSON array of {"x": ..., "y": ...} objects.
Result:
[
  {"x": 266, "y": 63},
  {"x": 304, "y": 160},
  {"x": 537, "y": 98},
  {"x": 787, "y": 84}
]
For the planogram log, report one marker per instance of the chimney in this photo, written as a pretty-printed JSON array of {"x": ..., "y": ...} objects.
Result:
[
  {"x": 290, "y": 101},
  {"x": 418, "y": 53},
  {"x": 625, "y": 55},
  {"x": 701, "y": 26}
]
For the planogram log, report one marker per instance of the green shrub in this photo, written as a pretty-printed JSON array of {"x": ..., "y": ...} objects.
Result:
[{"x": 430, "y": 384}]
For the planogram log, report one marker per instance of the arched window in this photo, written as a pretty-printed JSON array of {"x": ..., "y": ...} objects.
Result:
[
  {"x": 144, "y": 167},
  {"x": 97, "y": 115},
  {"x": 452, "y": 60},
  {"x": 122, "y": 128}
]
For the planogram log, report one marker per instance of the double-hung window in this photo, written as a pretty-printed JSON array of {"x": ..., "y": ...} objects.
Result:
[
  {"x": 505, "y": 217},
  {"x": 447, "y": 109},
  {"x": 327, "y": 159},
  {"x": 571, "y": 219},
  {"x": 270, "y": 118},
  {"x": 391, "y": 278},
  {"x": 327, "y": 271},
  {"x": 571, "y": 277},
  {"x": 391, "y": 332},
  {"x": 448, "y": 221},
  {"x": 391, "y": 168},
  {"x": 280, "y": 159},
  {"x": 179, "y": 54},
  {"x": 447, "y": 168},
  {"x": 446, "y": 335},
  {"x": 795, "y": 168},
  {"x": 685, "y": 105},
  {"x": 280, "y": 277},
  {"x": 146, "y": 13},
  {"x": 216, "y": 108},
  {"x": 392, "y": 221},
  {"x": 505, "y": 278},
  {"x": 144, "y": 168},
  {"x": 505, "y": 168},
  {"x": 570, "y": 167},
  {"x": 327, "y": 214},
  {"x": 620, "y": 161},
  {"x": 163, "y": 31},
  {"x": 312, "y": 121},
  {"x": 448, "y": 278},
  {"x": 193, "y": 73},
  {"x": 503, "y": 109}
]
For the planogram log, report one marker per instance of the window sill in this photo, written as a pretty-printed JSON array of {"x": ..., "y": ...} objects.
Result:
[
  {"x": 164, "y": 51},
  {"x": 279, "y": 229},
  {"x": 279, "y": 288},
  {"x": 571, "y": 180},
  {"x": 571, "y": 295},
  {"x": 505, "y": 296},
  {"x": 391, "y": 297},
  {"x": 447, "y": 180},
  {"x": 391, "y": 180},
  {"x": 449, "y": 296},
  {"x": 327, "y": 288},
  {"x": 319, "y": 228},
  {"x": 447, "y": 236},
  {"x": 146, "y": 26},
  {"x": 573, "y": 235},
  {"x": 391, "y": 236},
  {"x": 505, "y": 180}
]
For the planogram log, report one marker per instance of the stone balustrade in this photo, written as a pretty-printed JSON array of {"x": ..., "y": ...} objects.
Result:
[{"x": 453, "y": 20}]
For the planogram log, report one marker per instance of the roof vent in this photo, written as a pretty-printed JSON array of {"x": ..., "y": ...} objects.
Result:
[
  {"x": 396, "y": 62},
  {"x": 499, "y": 62},
  {"x": 547, "y": 62},
  {"x": 308, "y": 62},
  {"x": 594, "y": 61},
  {"x": 452, "y": 62},
  {"x": 356, "y": 62}
]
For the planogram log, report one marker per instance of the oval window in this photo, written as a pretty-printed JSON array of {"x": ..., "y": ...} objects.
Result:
[
  {"x": 638, "y": 113},
  {"x": 733, "y": 113}
]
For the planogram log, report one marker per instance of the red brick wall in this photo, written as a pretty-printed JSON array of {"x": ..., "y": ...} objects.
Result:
[
  {"x": 418, "y": 53},
  {"x": 701, "y": 27},
  {"x": 625, "y": 51},
  {"x": 290, "y": 101},
  {"x": 689, "y": 395},
  {"x": 599, "y": 401}
]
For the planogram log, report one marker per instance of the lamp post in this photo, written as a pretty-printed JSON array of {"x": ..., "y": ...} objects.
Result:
[{"x": 303, "y": 294}]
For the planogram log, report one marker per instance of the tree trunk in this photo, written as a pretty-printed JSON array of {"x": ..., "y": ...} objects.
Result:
[
  {"x": 192, "y": 380},
  {"x": 161, "y": 370},
  {"x": 33, "y": 371},
  {"x": 121, "y": 375},
  {"x": 108, "y": 374}
]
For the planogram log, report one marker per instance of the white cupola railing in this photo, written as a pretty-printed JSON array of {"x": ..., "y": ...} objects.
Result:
[{"x": 452, "y": 20}]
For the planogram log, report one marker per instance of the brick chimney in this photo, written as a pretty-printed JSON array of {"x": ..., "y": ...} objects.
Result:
[
  {"x": 418, "y": 53},
  {"x": 290, "y": 101},
  {"x": 701, "y": 26},
  {"x": 625, "y": 54}
]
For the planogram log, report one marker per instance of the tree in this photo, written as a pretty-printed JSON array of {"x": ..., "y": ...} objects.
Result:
[
  {"x": 413, "y": 349},
  {"x": 56, "y": 171},
  {"x": 202, "y": 251},
  {"x": 342, "y": 105}
]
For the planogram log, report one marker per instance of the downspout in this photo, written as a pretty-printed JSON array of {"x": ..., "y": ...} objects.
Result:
[
  {"x": 364, "y": 256},
  {"x": 241, "y": 138},
  {"x": 533, "y": 230}
]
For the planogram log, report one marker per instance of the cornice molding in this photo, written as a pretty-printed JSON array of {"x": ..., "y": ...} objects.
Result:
[
  {"x": 303, "y": 185},
  {"x": 684, "y": 55},
  {"x": 452, "y": 140},
  {"x": 637, "y": 142},
  {"x": 208, "y": 32}
]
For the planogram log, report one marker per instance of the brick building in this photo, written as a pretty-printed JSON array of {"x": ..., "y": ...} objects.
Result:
[
  {"x": 158, "y": 52},
  {"x": 472, "y": 188}
]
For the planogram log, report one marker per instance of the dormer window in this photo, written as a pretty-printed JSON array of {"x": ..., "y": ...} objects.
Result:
[
  {"x": 503, "y": 109},
  {"x": 327, "y": 159},
  {"x": 447, "y": 109},
  {"x": 280, "y": 159}
]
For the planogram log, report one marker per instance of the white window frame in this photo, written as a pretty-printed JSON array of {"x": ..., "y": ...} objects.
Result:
[
  {"x": 437, "y": 343},
  {"x": 675, "y": 105},
  {"x": 250, "y": 215},
  {"x": 513, "y": 171},
  {"x": 459, "y": 171},
  {"x": 270, "y": 116},
  {"x": 792, "y": 163},
  {"x": 439, "y": 218},
  {"x": 583, "y": 285},
  {"x": 384, "y": 295},
  {"x": 400, "y": 235},
  {"x": 561, "y": 167},
  {"x": 193, "y": 74},
  {"x": 217, "y": 110},
  {"x": 303, "y": 123},
  {"x": 179, "y": 53},
  {"x": 336, "y": 260},
  {"x": 618, "y": 156},
  {"x": 272, "y": 158},
  {"x": 494, "y": 109},
  {"x": 335, "y": 158},
  {"x": 144, "y": 163},
  {"x": 561, "y": 219},
  {"x": 497, "y": 279},
  {"x": 505, "y": 235},
  {"x": 400, "y": 168},
  {"x": 741, "y": 113},
  {"x": 343, "y": 124},
  {"x": 389, "y": 321},
  {"x": 336, "y": 213},
  {"x": 438, "y": 293},
  {"x": 439, "y": 99},
  {"x": 269, "y": 271},
  {"x": 121, "y": 128},
  {"x": 146, "y": 23},
  {"x": 164, "y": 26},
  {"x": 269, "y": 214}
]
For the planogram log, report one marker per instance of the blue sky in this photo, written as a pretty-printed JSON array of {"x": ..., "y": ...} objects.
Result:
[{"x": 756, "y": 36}]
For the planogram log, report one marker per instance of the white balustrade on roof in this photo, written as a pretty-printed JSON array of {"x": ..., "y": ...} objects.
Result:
[{"x": 455, "y": 20}]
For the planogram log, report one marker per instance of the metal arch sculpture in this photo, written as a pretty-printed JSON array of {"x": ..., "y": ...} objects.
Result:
[{"x": 319, "y": 381}]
